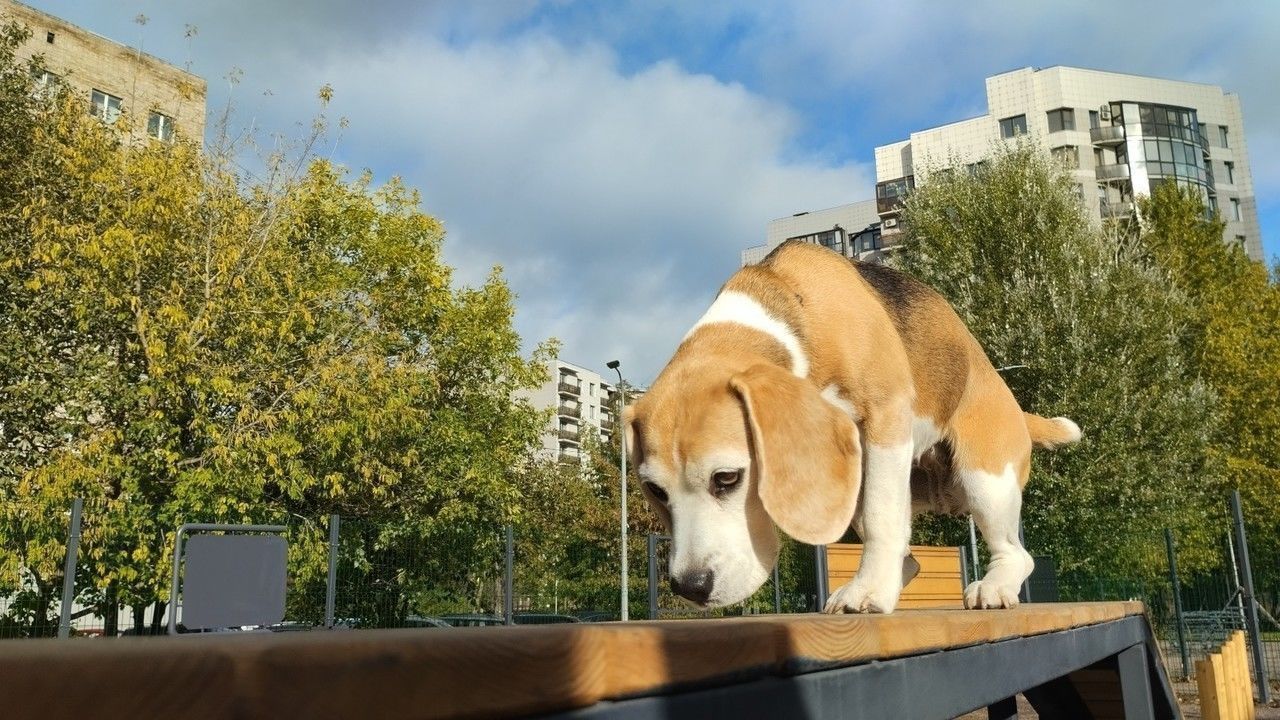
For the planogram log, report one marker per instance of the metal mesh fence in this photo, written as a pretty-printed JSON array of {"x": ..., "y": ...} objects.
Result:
[
  {"x": 31, "y": 561},
  {"x": 389, "y": 573},
  {"x": 791, "y": 588}
]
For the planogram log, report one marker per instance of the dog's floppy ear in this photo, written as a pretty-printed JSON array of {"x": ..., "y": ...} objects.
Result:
[
  {"x": 635, "y": 454},
  {"x": 632, "y": 436},
  {"x": 806, "y": 454}
]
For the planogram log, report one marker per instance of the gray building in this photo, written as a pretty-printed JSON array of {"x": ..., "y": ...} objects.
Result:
[
  {"x": 1117, "y": 135},
  {"x": 584, "y": 402},
  {"x": 852, "y": 230}
]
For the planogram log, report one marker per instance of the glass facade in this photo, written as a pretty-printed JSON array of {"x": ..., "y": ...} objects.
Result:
[{"x": 1173, "y": 148}]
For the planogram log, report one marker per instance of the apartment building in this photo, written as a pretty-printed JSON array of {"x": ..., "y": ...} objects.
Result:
[
  {"x": 853, "y": 230},
  {"x": 584, "y": 402},
  {"x": 161, "y": 100},
  {"x": 1118, "y": 135}
]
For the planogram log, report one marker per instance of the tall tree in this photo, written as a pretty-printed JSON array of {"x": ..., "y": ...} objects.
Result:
[
  {"x": 1086, "y": 332},
  {"x": 1234, "y": 337},
  {"x": 185, "y": 342}
]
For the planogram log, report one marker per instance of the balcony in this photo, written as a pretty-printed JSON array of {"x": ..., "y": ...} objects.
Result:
[
  {"x": 568, "y": 435},
  {"x": 608, "y": 425},
  {"x": 569, "y": 388},
  {"x": 566, "y": 411},
  {"x": 1107, "y": 135},
  {"x": 885, "y": 206},
  {"x": 1116, "y": 209},
  {"x": 1112, "y": 172}
]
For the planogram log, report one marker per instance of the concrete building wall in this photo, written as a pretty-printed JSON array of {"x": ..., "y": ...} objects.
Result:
[{"x": 87, "y": 61}]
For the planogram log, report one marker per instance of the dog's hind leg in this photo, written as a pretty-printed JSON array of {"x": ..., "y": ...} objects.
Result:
[{"x": 996, "y": 503}]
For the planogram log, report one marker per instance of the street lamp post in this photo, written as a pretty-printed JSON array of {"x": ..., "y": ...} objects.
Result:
[{"x": 622, "y": 404}]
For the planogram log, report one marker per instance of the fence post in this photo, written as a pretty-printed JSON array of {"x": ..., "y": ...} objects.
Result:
[
  {"x": 1251, "y": 609},
  {"x": 653, "y": 576},
  {"x": 973, "y": 548},
  {"x": 777, "y": 589},
  {"x": 69, "y": 569},
  {"x": 331, "y": 585},
  {"x": 1025, "y": 594},
  {"x": 820, "y": 575},
  {"x": 508, "y": 602},
  {"x": 1177, "y": 603}
]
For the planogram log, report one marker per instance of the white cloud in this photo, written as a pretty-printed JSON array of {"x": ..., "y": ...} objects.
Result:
[{"x": 617, "y": 203}]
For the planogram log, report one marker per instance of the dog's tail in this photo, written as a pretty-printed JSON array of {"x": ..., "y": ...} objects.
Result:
[{"x": 1049, "y": 433}]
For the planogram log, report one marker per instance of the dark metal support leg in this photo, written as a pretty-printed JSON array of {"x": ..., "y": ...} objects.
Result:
[
  {"x": 1006, "y": 709},
  {"x": 1057, "y": 700},
  {"x": 1135, "y": 683}
]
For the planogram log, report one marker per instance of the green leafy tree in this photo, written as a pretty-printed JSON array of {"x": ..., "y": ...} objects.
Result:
[
  {"x": 1086, "y": 332},
  {"x": 184, "y": 342},
  {"x": 1234, "y": 337}
]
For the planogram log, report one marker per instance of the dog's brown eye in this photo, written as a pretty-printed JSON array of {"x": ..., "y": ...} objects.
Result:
[
  {"x": 724, "y": 480},
  {"x": 658, "y": 493}
]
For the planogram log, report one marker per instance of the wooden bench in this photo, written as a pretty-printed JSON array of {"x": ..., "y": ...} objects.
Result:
[{"x": 1096, "y": 658}]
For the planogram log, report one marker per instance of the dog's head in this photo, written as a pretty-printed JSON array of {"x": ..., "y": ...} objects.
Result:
[{"x": 725, "y": 455}]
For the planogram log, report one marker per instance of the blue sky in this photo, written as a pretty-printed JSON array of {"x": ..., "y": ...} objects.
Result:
[{"x": 615, "y": 156}]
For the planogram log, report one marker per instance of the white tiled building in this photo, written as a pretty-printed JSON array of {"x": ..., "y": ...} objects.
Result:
[
  {"x": 584, "y": 402},
  {"x": 845, "y": 229},
  {"x": 1118, "y": 135}
]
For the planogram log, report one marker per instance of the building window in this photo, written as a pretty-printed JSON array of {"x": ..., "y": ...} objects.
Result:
[
  {"x": 48, "y": 37},
  {"x": 1235, "y": 209},
  {"x": 160, "y": 126},
  {"x": 1093, "y": 119},
  {"x": 1061, "y": 119},
  {"x": 1213, "y": 204},
  {"x": 976, "y": 169},
  {"x": 43, "y": 80},
  {"x": 1013, "y": 126},
  {"x": 1068, "y": 156},
  {"x": 891, "y": 194},
  {"x": 105, "y": 106},
  {"x": 1222, "y": 136},
  {"x": 1231, "y": 172},
  {"x": 828, "y": 239},
  {"x": 1240, "y": 241}
]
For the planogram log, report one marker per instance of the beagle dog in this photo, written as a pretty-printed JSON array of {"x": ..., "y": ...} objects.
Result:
[{"x": 816, "y": 393}]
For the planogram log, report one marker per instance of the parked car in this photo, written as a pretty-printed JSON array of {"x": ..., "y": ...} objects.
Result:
[
  {"x": 475, "y": 620},
  {"x": 531, "y": 618},
  {"x": 425, "y": 621},
  {"x": 290, "y": 626}
]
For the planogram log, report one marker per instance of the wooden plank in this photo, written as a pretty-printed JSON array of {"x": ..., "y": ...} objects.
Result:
[
  {"x": 477, "y": 672},
  {"x": 1232, "y": 668},
  {"x": 1207, "y": 686}
]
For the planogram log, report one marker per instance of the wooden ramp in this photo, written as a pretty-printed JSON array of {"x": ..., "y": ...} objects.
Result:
[{"x": 912, "y": 664}]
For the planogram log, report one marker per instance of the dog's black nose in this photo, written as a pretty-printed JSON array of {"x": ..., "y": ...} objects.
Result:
[{"x": 695, "y": 585}]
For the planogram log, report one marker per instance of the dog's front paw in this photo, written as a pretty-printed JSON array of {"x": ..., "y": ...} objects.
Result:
[
  {"x": 985, "y": 595},
  {"x": 863, "y": 596}
]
